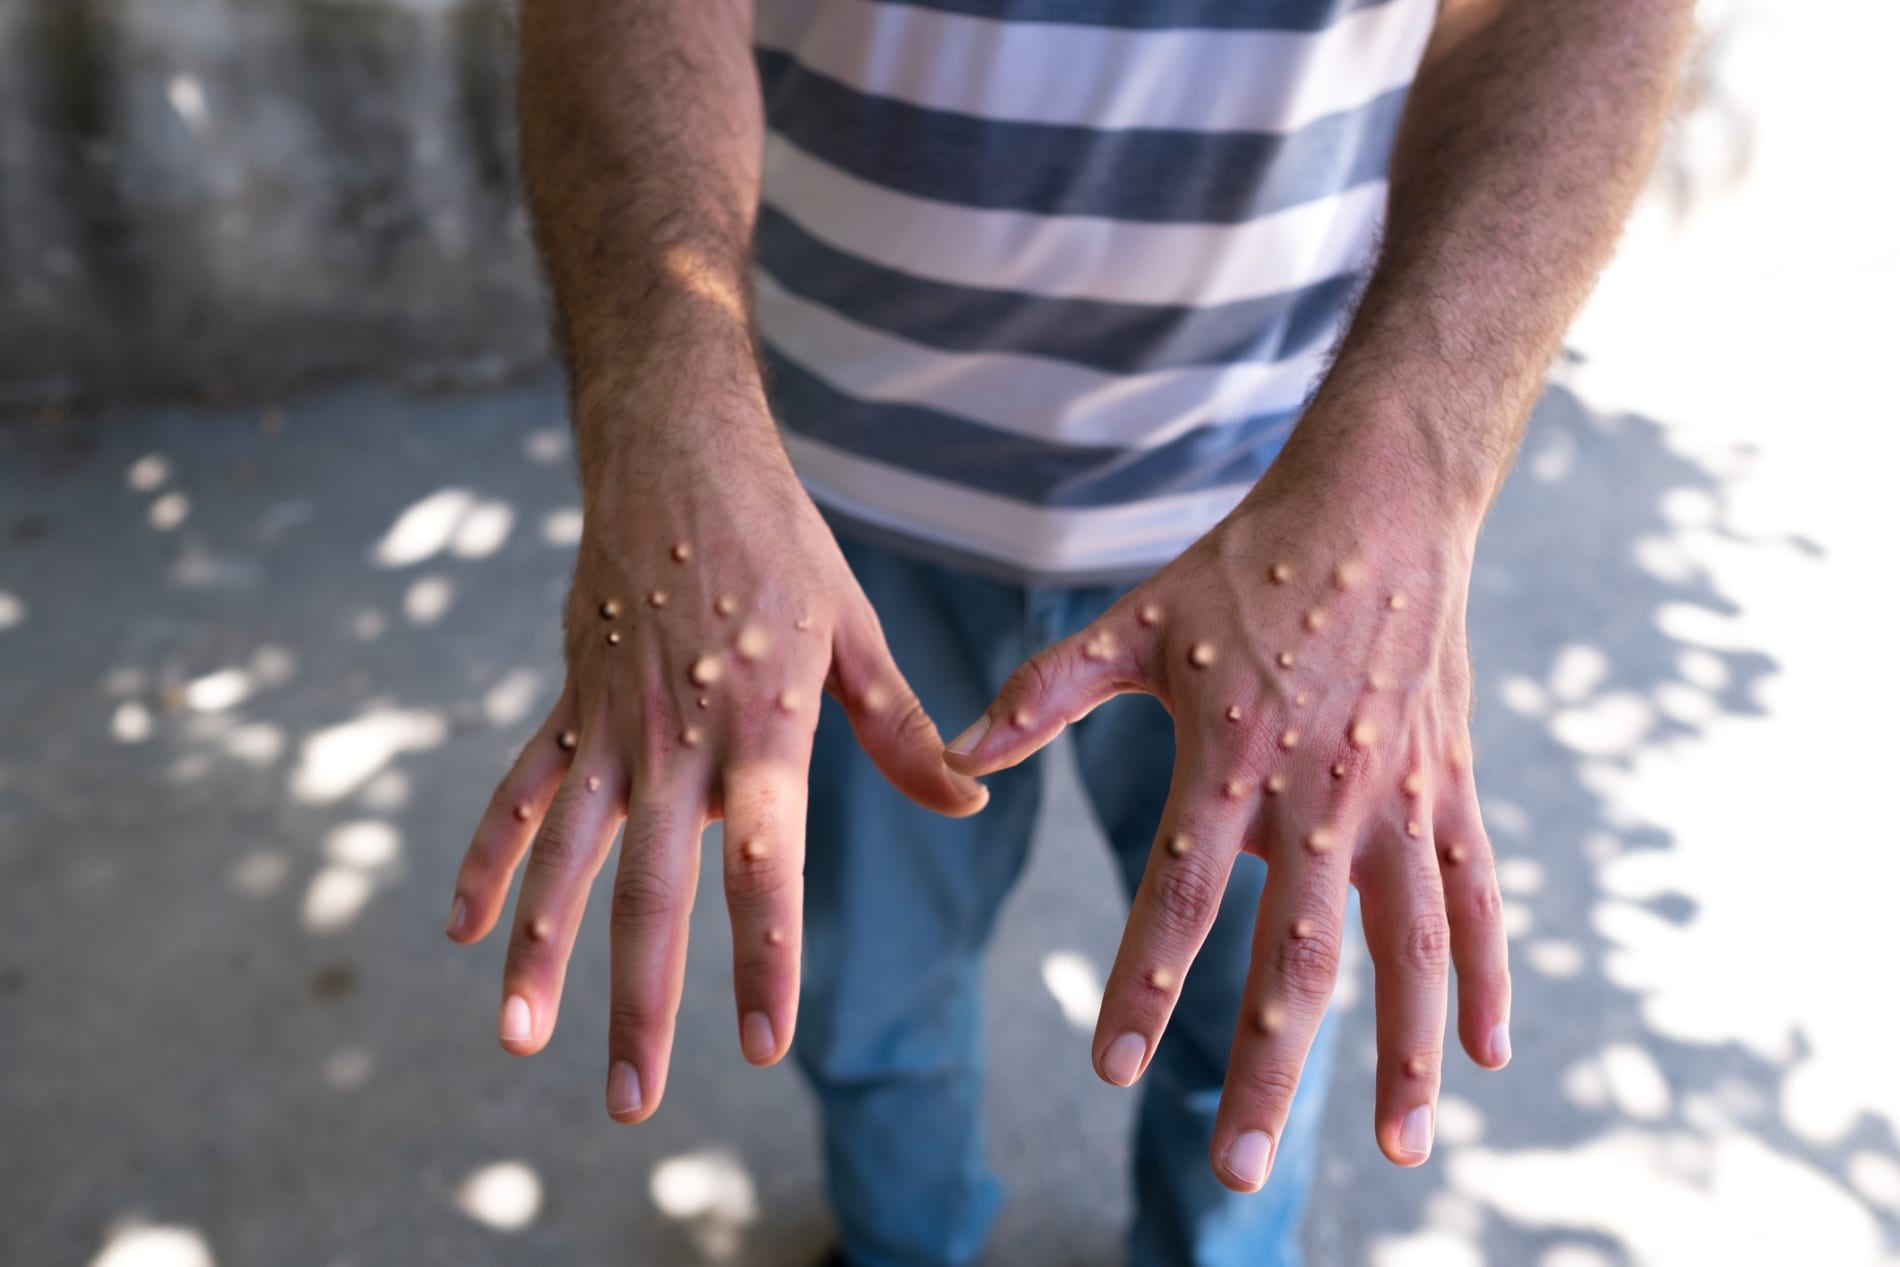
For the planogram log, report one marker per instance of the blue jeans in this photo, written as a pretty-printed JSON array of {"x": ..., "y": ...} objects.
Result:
[{"x": 899, "y": 905}]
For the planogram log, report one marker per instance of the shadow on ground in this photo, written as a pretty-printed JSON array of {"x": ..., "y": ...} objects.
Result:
[{"x": 260, "y": 670}]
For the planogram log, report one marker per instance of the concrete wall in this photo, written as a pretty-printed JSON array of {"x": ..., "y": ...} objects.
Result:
[{"x": 215, "y": 197}]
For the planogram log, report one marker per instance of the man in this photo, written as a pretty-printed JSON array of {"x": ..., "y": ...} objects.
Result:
[{"x": 1042, "y": 287}]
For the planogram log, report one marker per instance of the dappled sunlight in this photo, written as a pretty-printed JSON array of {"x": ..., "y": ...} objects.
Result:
[
  {"x": 1668, "y": 1197},
  {"x": 504, "y": 1195},
  {"x": 561, "y": 527},
  {"x": 427, "y": 599},
  {"x": 710, "y": 1192},
  {"x": 451, "y": 520},
  {"x": 512, "y": 698},
  {"x": 360, "y": 855},
  {"x": 138, "y": 1245},
  {"x": 338, "y": 759},
  {"x": 1076, "y": 986},
  {"x": 424, "y": 530}
]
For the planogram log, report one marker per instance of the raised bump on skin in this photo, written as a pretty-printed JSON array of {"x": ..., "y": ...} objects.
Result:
[
  {"x": 725, "y": 604},
  {"x": 1285, "y": 659},
  {"x": 1233, "y": 712},
  {"x": 1362, "y": 733},
  {"x": 539, "y": 928},
  {"x": 523, "y": 813},
  {"x": 682, "y": 552},
  {"x": 1179, "y": 844},
  {"x": 705, "y": 671},
  {"x": 1339, "y": 769},
  {"x": 703, "y": 702},
  {"x": 875, "y": 698},
  {"x": 1414, "y": 1067},
  {"x": 613, "y": 637},
  {"x": 690, "y": 736},
  {"x": 1150, "y": 615},
  {"x": 1201, "y": 654},
  {"x": 1290, "y": 739},
  {"x": 1454, "y": 854},
  {"x": 1299, "y": 701},
  {"x": 1020, "y": 719},
  {"x": 774, "y": 937},
  {"x": 1396, "y": 602},
  {"x": 788, "y": 701},
  {"x": 1319, "y": 840},
  {"x": 1162, "y": 979},
  {"x": 1315, "y": 619},
  {"x": 1414, "y": 784},
  {"x": 1413, "y": 829},
  {"x": 609, "y": 609},
  {"x": 1235, "y": 789},
  {"x": 568, "y": 741},
  {"x": 754, "y": 849},
  {"x": 656, "y": 599},
  {"x": 1303, "y": 928},
  {"x": 1280, "y": 573},
  {"x": 1376, "y": 681},
  {"x": 1099, "y": 647},
  {"x": 593, "y": 783},
  {"x": 1349, "y": 573},
  {"x": 1275, "y": 784},
  {"x": 1268, "y": 1019},
  {"x": 752, "y": 643},
  {"x": 802, "y": 623}
]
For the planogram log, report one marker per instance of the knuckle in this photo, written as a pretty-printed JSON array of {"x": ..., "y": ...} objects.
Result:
[
  {"x": 1270, "y": 1085},
  {"x": 1425, "y": 946},
  {"x": 641, "y": 895},
  {"x": 1308, "y": 960},
  {"x": 634, "y": 1015},
  {"x": 1185, "y": 897},
  {"x": 753, "y": 882},
  {"x": 1487, "y": 902}
]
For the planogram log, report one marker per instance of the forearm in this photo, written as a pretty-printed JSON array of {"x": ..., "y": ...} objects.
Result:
[
  {"x": 1528, "y": 134},
  {"x": 641, "y": 136}
]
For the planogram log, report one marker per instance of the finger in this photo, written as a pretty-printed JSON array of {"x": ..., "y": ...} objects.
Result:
[
  {"x": 567, "y": 852},
  {"x": 764, "y": 859},
  {"x": 1174, "y": 907},
  {"x": 1468, "y": 873},
  {"x": 891, "y": 724},
  {"x": 1062, "y": 683},
  {"x": 652, "y": 904},
  {"x": 1403, "y": 908},
  {"x": 507, "y": 827},
  {"x": 1296, "y": 945}
]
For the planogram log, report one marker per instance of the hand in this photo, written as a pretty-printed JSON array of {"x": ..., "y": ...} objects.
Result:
[
  {"x": 1311, "y": 650},
  {"x": 709, "y": 609}
]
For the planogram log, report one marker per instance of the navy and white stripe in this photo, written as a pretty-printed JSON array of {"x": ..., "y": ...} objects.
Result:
[{"x": 1043, "y": 283}]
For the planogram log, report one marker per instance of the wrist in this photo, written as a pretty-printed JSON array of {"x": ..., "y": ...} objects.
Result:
[{"x": 1399, "y": 448}]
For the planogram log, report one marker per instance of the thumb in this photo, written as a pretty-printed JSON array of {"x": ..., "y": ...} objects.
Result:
[
  {"x": 891, "y": 724},
  {"x": 1059, "y": 684}
]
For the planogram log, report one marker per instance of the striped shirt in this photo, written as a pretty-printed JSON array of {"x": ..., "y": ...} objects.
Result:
[{"x": 1043, "y": 284}]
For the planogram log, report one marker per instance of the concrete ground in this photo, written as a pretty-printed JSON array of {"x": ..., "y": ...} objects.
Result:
[{"x": 259, "y": 668}]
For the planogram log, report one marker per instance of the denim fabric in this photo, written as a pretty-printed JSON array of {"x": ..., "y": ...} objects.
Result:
[{"x": 899, "y": 906}]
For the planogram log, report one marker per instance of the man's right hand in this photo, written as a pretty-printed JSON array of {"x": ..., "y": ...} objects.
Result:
[{"x": 710, "y": 608}]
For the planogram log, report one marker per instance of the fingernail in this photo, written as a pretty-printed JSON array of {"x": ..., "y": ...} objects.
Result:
[
  {"x": 517, "y": 1022},
  {"x": 1415, "y": 1132},
  {"x": 1248, "y": 1156},
  {"x": 458, "y": 916},
  {"x": 1122, "y": 1061},
  {"x": 1501, "y": 1045},
  {"x": 964, "y": 744},
  {"x": 756, "y": 1038},
  {"x": 623, "y": 1088}
]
